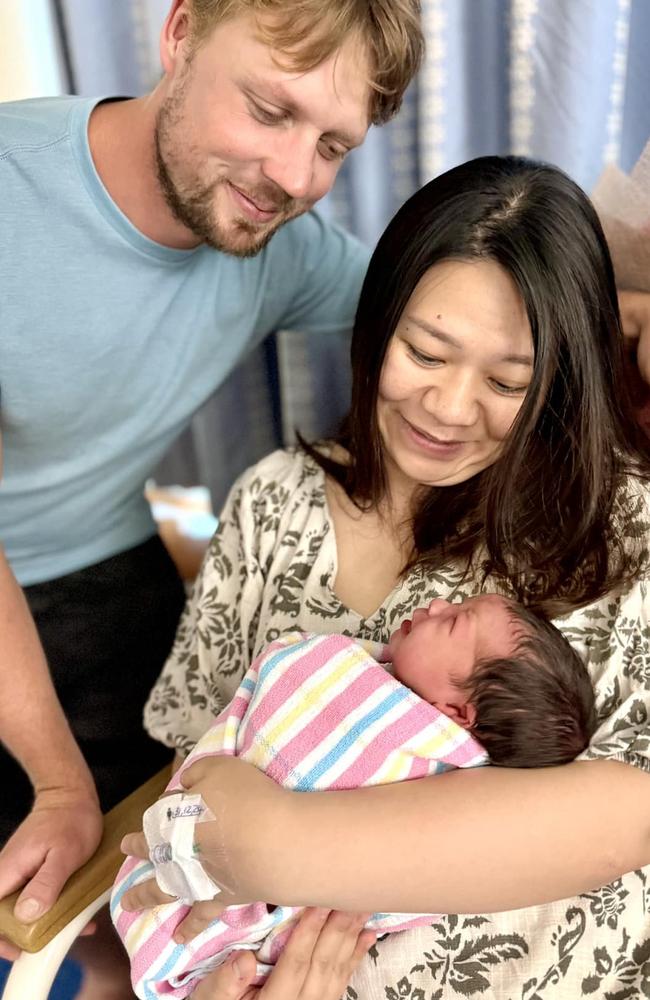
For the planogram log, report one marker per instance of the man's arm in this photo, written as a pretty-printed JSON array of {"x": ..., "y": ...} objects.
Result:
[{"x": 65, "y": 824}]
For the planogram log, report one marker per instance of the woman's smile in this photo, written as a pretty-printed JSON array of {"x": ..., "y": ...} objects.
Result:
[
  {"x": 455, "y": 375},
  {"x": 440, "y": 447}
]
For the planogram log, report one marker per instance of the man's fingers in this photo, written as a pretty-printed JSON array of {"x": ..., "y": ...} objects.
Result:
[
  {"x": 43, "y": 890},
  {"x": 8, "y": 951},
  {"x": 136, "y": 845},
  {"x": 231, "y": 981},
  {"x": 200, "y": 916},
  {"x": 20, "y": 859},
  {"x": 144, "y": 895}
]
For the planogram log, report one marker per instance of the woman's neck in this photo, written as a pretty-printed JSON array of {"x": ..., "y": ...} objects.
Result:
[{"x": 372, "y": 547}]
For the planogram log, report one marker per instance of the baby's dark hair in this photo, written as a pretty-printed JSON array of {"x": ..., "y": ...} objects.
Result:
[{"x": 536, "y": 707}]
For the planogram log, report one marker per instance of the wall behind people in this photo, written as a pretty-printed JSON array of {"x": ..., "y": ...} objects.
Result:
[
  {"x": 563, "y": 80},
  {"x": 31, "y": 65}
]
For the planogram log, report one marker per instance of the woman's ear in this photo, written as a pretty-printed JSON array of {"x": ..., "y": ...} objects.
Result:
[{"x": 173, "y": 37}]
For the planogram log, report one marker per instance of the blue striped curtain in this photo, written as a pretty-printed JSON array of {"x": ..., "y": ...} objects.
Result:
[{"x": 566, "y": 81}]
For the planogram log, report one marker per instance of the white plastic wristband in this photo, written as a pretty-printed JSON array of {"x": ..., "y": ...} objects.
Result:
[{"x": 169, "y": 830}]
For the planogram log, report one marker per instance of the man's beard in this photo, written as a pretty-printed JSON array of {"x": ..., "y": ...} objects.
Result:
[{"x": 193, "y": 204}]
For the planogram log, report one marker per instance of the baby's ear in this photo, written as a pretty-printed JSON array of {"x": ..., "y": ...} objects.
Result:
[{"x": 463, "y": 715}]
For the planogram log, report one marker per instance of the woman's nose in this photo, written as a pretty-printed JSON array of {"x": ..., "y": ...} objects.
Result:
[{"x": 453, "y": 401}]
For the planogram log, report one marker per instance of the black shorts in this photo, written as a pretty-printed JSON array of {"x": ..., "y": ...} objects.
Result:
[{"x": 106, "y": 631}]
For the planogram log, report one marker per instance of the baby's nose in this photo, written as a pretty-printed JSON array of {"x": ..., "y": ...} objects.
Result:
[{"x": 437, "y": 605}]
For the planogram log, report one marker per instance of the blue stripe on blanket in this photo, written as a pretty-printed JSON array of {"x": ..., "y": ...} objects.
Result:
[
  {"x": 143, "y": 871},
  {"x": 273, "y": 661},
  {"x": 308, "y": 783},
  {"x": 162, "y": 974}
]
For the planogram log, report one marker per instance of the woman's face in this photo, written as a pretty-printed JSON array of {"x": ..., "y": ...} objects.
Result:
[{"x": 455, "y": 375}]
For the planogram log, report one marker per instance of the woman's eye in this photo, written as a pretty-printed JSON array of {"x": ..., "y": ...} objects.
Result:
[
  {"x": 422, "y": 359},
  {"x": 508, "y": 390}
]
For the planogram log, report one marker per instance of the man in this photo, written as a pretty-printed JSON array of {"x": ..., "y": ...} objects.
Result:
[{"x": 128, "y": 296}]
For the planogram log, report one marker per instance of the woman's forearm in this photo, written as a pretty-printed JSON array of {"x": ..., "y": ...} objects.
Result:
[{"x": 468, "y": 841}]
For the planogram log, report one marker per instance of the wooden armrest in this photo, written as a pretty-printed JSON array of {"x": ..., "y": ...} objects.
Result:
[{"x": 92, "y": 879}]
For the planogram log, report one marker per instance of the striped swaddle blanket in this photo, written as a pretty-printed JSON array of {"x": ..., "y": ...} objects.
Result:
[{"x": 313, "y": 712}]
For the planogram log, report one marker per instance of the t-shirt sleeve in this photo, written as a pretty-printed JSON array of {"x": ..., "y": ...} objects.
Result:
[{"x": 316, "y": 270}]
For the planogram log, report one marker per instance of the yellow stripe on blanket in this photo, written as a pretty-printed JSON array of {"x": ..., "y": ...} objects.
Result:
[{"x": 310, "y": 697}]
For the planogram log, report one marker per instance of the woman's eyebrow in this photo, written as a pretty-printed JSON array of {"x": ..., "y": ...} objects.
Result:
[{"x": 446, "y": 338}]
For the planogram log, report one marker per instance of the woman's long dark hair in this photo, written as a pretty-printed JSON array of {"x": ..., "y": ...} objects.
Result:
[{"x": 546, "y": 517}]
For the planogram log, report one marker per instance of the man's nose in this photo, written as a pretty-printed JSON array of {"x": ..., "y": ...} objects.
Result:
[
  {"x": 436, "y": 607},
  {"x": 290, "y": 164}
]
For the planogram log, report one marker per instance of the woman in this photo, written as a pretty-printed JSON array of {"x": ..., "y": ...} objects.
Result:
[{"x": 489, "y": 446}]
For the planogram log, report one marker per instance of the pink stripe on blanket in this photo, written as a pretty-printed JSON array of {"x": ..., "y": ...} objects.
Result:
[
  {"x": 228, "y": 935},
  {"x": 290, "y": 759},
  {"x": 289, "y": 681},
  {"x": 236, "y": 709},
  {"x": 390, "y": 740},
  {"x": 150, "y": 950},
  {"x": 420, "y": 768},
  {"x": 468, "y": 754}
]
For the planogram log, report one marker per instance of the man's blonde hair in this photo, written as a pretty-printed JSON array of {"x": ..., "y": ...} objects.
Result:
[{"x": 310, "y": 31}]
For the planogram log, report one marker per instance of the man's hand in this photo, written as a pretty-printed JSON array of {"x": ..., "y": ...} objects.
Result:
[{"x": 57, "y": 837}]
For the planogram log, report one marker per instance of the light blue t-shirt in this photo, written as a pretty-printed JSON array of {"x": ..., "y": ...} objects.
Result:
[{"x": 109, "y": 341}]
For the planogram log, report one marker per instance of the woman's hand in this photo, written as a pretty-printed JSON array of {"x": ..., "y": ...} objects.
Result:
[
  {"x": 241, "y": 799},
  {"x": 317, "y": 962}
]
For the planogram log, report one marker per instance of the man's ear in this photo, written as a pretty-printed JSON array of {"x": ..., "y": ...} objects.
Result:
[
  {"x": 462, "y": 714},
  {"x": 173, "y": 37}
]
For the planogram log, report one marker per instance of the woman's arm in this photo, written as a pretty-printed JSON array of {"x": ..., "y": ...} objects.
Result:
[
  {"x": 467, "y": 841},
  {"x": 486, "y": 839}
]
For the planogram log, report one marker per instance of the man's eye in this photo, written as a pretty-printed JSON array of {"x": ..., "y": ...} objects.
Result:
[
  {"x": 267, "y": 117},
  {"x": 333, "y": 152}
]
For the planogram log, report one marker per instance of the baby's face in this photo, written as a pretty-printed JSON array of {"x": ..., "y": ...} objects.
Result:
[{"x": 443, "y": 642}]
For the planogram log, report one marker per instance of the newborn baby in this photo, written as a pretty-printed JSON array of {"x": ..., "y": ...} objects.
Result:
[{"x": 323, "y": 712}]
